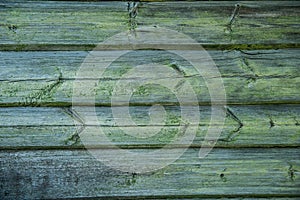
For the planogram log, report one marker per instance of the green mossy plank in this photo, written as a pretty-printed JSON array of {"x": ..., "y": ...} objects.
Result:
[
  {"x": 223, "y": 173},
  {"x": 47, "y": 78},
  {"x": 54, "y": 128},
  {"x": 34, "y": 25},
  {"x": 46, "y": 65},
  {"x": 238, "y": 90}
]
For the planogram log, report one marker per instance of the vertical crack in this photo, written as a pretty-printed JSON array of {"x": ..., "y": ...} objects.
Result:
[
  {"x": 55, "y": 84},
  {"x": 74, "y": 139},
  {"x": 296, "y": 122},
  {"x": 233, "y": 16},
  {"x": 74, "y": 115},
  {"x": 272, "y": 123},
  {"x": 247, "y": 64},
  {"x": 291, "y": 172},
  {"x": 132, "y": 9},
  {"x": 229, "y": 25},
  {"x": 235, "y": 132},
  {"x": 252, "y": 77}
]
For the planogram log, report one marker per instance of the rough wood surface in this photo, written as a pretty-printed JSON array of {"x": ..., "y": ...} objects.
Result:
[
  {"x": 44, "y": 128},
  {"x": 250, "y": 77},
  {"x": 43, "y": 44},
  {"x": 48, "y": 25},
  {"x": 224, "y": 173}
]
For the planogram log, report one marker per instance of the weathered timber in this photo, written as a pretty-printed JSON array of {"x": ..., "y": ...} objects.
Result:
[
  {"x": 43, "y": 150},
  {"x": 250, "y": 77},
  {"x": 44, "y": 128},
  {"x": 36, "y": 25},
  {"x": 223, "y": 173}
]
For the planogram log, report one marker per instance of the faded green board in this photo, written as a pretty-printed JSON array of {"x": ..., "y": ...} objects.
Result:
[
  {"x": 70, "y": 174},
  {"x": 36, "y": 93},
  {"x": 44, "y": 128},
  {"x": 46, "y": 65},
  {"x": 46, "y": 78},
  {"x": 59, "y": 25}
]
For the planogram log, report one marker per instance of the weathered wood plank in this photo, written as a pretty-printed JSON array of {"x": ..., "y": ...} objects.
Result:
[
  {"x": 46, "y": 78},
  {"x": 70, "y": 174},
  {"x": 239, "y": 91},
  {"x": 18, "y": 66},
  {"x": 44, "y": 128},
  {"x": 59, "y": 25}
]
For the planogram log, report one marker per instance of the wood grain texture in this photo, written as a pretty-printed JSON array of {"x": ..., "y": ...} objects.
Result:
[
  {"x": 42, "y": 153},
  {"x": 44, "y": 128},
  {"x": 59, "y": 25},
  {"x": 71, "y": 174},
  {"x": 47, "y": 78}
]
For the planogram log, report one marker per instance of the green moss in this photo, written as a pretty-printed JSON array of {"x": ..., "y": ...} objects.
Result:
[
  {"x": 173, "y": 119},
  {"x": 77, "y": 26}
]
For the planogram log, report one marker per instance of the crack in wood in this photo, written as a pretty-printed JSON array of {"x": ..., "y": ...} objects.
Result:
[
  {"x": 296, "y": 121},
  {"x": 29, "y": 79},
  {"x": 291, "y": 172},
  {"x": 74, "y": 138},
  {"x": 90, "y": 47},
  {"x": 272, "y": 123},
  {"x": 177, "y": 68},
  {"x": 252, "y": 77},
  {"x": 233, "y": 17},
  {"x": 74, "y": 115},
  {"x": 254, "y": 53},
  {"x": 233, "y": 134},
  {"x": 234, "y": 14},
  {"x": 246, "y": 63},
  {"x": 44, "y": 93}
]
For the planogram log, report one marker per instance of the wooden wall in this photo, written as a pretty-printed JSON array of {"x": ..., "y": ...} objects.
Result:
[{"x": 42, "y": 46}]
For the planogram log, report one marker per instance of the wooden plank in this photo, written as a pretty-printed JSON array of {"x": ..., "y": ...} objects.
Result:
[
  {"x": 44, "y": 128},
  {"x": 239, "y": 91},
  {"x": 36, "y": 25},
  {"x": 47, "y": 78},
  {"x": 71, "y": 174},
  {"x": 18, "y": 66}
]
